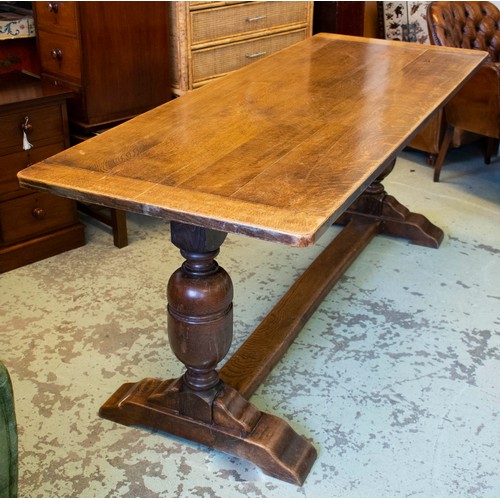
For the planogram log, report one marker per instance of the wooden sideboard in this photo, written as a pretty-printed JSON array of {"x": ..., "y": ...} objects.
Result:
[
  {"x": 33, "y": 126},
  {"x": 113, "y": 55},
  {"x": 211, "y": 39}
]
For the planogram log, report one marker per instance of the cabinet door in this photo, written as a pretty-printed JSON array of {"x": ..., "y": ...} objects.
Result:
[{"x": 125, "y": 58}]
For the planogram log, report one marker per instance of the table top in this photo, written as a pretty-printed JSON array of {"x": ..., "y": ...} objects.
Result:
[{"x": 277, "y": 150}]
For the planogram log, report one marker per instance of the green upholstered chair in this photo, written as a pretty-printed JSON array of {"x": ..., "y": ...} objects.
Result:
[{"x": 8, "y": 438}]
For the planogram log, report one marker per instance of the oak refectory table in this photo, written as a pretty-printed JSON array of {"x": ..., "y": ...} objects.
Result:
[{"x": 279, "y": 150}]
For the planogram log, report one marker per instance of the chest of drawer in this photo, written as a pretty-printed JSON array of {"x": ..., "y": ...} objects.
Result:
[
  {"x": 60, "y": 55},
  {"x": 219, "y": 60},
  {"x": 232, "y": 21},
  {"x": 33, "y": 214},
  {"x": 13, "y": 163},
  {"x": 210, "y": 39},
  {"x": 42, "y": 123},
  {"x": 60, "y": 17},
  {"x": 33, "y": 226}
]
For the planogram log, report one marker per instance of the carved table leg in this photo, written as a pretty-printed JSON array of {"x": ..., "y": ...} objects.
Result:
[
  {"x": 199, "y": 406},
  {"x": 395, "y": 219}
]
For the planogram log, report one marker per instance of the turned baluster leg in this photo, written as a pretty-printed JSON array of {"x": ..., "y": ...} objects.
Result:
[
  {"x": 198, "y": 405},
  {"x": 200, "y": 318}
]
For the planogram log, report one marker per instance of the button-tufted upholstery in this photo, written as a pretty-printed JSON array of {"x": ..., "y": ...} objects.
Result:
[
  {"x": 469, "y": 25},
  {"x": 476, "y": 107}
]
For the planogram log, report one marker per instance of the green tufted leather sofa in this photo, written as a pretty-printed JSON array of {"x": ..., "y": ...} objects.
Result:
[{"x": 8, "y": 438}]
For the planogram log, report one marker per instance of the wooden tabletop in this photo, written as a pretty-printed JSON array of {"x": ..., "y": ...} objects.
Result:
[{"x": 276, "y": 150}]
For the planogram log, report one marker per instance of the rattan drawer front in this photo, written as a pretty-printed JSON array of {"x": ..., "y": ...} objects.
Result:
[
  {"x": 60, "y": 16},
  {"x": 60, "y": 54},
  {"x": 215, "y": 24},
  {"x": 34, "y": 214},
  {"x": 209, "y": 63}
]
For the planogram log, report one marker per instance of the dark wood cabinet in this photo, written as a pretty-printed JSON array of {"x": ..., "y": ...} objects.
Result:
[
  {"x": 33, "y": 126},
  {"x": 112, "y": 55},
  {"x": 345, "y": 18}
]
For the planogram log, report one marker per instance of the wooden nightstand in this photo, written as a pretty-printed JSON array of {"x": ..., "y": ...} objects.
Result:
[{"x": 33, "y": 226}]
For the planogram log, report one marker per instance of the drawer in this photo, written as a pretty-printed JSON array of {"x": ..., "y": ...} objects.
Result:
[
  {"x": 46, "y": 123},
  {"x": 216, "y": 61},
  {"x": 226, "y": 22},
  {"x": 59, "y": 54},
  {"x": 56, "y": 16},
  {"x": 13, "y": 163},
  {"x": 32, "y": 215}
]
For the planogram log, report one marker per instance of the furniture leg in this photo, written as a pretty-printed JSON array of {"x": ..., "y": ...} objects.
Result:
[
  {"x": 430, "y": 159},
  {"x": 448, "y": 136},
  {"x": 394, "y": 218},
  {"x": 119, "y": 227},
  {"x": 114, "y": 218},
  {"x": 199, "y": 406},
  {"x": 491, "y": 149}
]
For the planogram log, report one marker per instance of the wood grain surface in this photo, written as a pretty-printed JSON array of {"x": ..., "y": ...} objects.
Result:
[{"x": 276, "y": 150}]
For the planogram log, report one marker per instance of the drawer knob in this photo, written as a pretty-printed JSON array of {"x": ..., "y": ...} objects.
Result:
[
  {"x": 254, "y": 19},
  {"x": 53, "y": 7},
  {"x": 38, "y": 213},
  {"x": 56, "y": 54}
]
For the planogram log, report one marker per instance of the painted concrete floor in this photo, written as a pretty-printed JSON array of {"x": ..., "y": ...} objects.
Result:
[{"x": 395, "y": 379}]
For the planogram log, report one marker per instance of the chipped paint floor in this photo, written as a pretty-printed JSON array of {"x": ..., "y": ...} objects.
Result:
[{"x": 395, "y": 379}]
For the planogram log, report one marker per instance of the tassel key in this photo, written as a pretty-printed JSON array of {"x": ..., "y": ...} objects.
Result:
[{"x": 27, "y": 129}]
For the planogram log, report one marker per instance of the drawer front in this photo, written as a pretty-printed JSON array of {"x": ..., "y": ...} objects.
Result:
[
  {"x": 209, "y": 63},
  {"x": 214, "y": 24},
  {"x": 59, "y": 17},
  {"x": 13, "y": 163},
  {"x": 59, "y": 54},
  {"x": 32, "y": 215},
  {"x": 44, "y": 123}
]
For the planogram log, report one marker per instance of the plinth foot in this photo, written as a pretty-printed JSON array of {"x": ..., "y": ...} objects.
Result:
[{"x": 225, "y": 421}]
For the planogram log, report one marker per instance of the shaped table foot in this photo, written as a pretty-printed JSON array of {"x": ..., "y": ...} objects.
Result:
[
  {"x": 394, "y": 218},
  {"x": 219, "y": 418}
]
